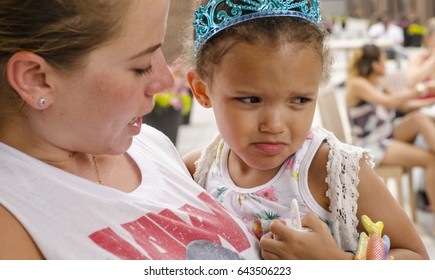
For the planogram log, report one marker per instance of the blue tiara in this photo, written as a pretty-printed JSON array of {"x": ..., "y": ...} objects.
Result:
[{"x": 208, "y": 21}]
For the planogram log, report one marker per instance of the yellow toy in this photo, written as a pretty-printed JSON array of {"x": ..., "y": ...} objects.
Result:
[{"x": 372, "y": 246}]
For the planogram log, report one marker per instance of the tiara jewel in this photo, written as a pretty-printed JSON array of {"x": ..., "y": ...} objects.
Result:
[{"x": 209, "y": 21}]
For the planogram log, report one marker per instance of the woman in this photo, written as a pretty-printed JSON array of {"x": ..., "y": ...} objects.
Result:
[
  {"x": 371, "y": 109},
  {"x": 421, "y": 67},
  {"x": 80, "y": 177}
]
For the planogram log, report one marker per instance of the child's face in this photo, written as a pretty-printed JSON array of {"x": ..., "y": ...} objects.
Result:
[{"x": 264, "y": 101}]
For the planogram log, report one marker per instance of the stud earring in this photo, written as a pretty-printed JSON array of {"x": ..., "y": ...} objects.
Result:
[
  {"x": 42, "y": 102},
  {"x": 205, "y": 104}
]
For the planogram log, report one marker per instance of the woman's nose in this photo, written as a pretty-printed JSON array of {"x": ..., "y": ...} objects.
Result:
[{"x": 163, "y": 75}]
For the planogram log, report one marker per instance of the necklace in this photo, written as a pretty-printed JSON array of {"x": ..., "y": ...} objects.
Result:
[{"x": 97, "y": 170}]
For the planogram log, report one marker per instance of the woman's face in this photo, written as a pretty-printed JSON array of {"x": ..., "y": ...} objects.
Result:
[
  {"x": 379, "y": 66},
  {"x": 98, "y": 108}
]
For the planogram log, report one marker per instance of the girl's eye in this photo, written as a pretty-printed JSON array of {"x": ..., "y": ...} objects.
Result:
[
  {"x": 144, "y": 71},
  {"x": 300, "y": 100},
  {"x": 250, "y": 99}
]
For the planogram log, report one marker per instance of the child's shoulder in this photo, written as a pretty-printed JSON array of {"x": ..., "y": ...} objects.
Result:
[
  {"x": 190, "y": 158},
  {"x": 333, "y": 151}
]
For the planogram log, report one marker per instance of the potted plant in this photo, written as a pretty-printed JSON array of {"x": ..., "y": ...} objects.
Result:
[
  {"x": 172, "y": 106},
  {"x": 415, "y": 31}
]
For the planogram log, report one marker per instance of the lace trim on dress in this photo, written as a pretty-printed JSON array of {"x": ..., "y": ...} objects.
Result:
[{"x": 342, "y": 178}]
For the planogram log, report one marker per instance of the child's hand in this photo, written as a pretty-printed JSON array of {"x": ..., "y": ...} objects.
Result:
[{"x": 301, "y": 245}]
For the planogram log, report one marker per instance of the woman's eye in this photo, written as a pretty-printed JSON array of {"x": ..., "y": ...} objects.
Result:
[
  {"x": 144, "y": 71},
  {"x": 250, "y": 99}
]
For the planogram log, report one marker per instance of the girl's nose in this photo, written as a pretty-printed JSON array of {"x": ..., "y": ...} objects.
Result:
[{"x": 272, "y": 123}]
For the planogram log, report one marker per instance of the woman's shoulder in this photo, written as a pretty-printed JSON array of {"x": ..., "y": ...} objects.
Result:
[{"x": 357, "y": 82}]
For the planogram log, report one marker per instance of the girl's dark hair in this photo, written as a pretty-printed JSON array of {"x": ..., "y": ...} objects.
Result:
[{"x": 362, "y": 61}]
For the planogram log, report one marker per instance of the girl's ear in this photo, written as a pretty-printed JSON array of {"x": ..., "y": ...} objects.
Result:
[
  {"x": 198, "y": 88},
  {"x": 27, "y": 75}
]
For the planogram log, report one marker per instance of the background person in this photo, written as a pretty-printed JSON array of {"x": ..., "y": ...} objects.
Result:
[
  {"x": 372, "y": 106},
  {"x": 421, "y": 67},
  {"x": 386, "y": 32}
]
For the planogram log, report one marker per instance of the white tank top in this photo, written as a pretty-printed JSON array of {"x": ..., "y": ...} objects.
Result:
[{"x": 167, "y": 217}]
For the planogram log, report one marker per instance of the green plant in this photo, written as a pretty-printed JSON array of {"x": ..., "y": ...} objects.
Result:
[{"x": 415, "y": 29}]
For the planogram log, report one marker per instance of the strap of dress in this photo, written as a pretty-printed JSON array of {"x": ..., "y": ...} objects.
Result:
[
  {"x": 342, "y": 178},
  {"x": 204, "y": 162}
]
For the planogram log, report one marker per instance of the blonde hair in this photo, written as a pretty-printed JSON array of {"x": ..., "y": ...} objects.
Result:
[
  {"x": 63, "y": 32},
  {"x": 429, "y": 27}
]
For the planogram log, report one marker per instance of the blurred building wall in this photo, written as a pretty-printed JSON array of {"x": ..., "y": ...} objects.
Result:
[
  {"x": 181, "y": 16},
  {"x": 412, "y": 9},
  {"x": 180, "y": 19}
]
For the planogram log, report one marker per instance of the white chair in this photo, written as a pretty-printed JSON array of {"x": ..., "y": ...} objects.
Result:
[{"x": 334, "y": 118}]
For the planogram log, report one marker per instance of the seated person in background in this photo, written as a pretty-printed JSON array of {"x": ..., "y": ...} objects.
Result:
[
  {"x": 386, "y": 32},
  {"x": 371, "y": 108},
  {"x": 421, "y": 67}
]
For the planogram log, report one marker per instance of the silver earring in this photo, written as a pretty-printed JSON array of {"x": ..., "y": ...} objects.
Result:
[{"x": 42, "y": 102}]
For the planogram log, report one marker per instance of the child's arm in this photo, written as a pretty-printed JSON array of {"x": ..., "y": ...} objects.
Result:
[
  {"x": 376, "y": 201},
  {"x": 190, "y": 158}
]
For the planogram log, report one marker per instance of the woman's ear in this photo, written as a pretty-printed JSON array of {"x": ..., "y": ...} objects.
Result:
[
  {"x": 198, "y": 88},
  {"x": 27, "y": 75}
]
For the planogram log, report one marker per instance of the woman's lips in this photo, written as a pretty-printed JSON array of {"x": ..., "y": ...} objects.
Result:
[
  {"x": 135, "y": 125},
  {"x": 133, "y": 121}
]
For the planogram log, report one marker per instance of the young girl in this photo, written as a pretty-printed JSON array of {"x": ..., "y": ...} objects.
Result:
[{"x": 259, "y": 64}]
